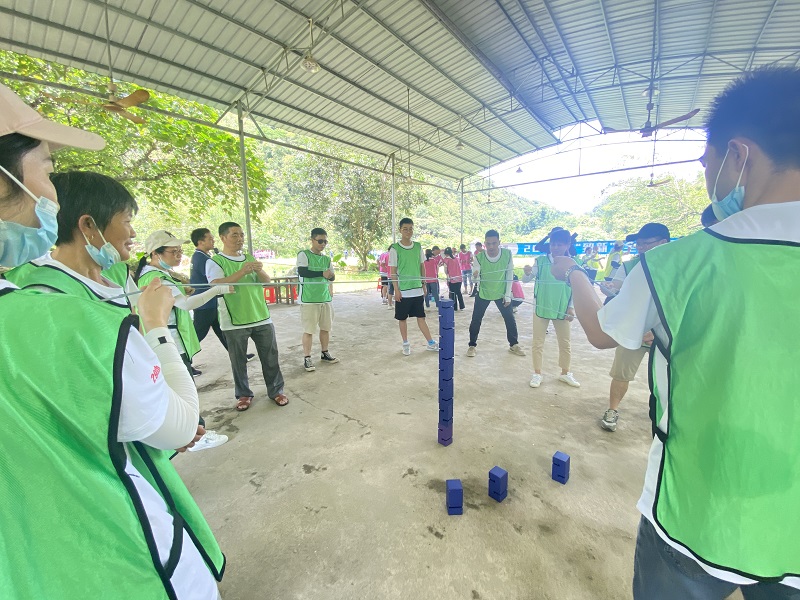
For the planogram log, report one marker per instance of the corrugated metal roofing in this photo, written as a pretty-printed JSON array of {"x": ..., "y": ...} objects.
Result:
[{"x": 510, "y": 71}]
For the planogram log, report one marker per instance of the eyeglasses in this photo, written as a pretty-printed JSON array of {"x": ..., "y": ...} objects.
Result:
[
  {"x": 176, "y": 252},
  {"x": 321, "y": 241}
]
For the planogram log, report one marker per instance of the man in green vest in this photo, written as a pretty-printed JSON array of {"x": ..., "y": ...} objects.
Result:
[
  {"x": 493, "y": 274},
  {"x": 626, "y": 362},
  {"x": 244, "y": 315},
  {"x": 316, "y": 310},
  {"x": 407, "y": 274},
  {"x": 722, "y": 489}
]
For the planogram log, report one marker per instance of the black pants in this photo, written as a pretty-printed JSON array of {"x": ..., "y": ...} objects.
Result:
[
  {"x": 479, "y": 309},
  {"x": 455, "y": 294},
  {"x": 205, "y": 320}
]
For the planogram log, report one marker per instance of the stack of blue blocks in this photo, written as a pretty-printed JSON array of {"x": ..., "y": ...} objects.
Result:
[
  {"x": 561, "y": 467},
  {"x": 447, "y": 343},
  {"x": 455, "y": 497},
  {"x": 498, "y": 483}
]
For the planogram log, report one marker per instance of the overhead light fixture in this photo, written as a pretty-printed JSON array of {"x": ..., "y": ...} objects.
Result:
[
  {"x": 459, "y": 145},
  {"x": 646, "y": 92},
  {"x": 309, "y": 64},
  {"x": 519, "y": 169}
]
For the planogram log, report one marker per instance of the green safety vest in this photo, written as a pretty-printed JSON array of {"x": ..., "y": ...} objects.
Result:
[
  {"x": 247, "y": 305},
  {"x": 73, "y": 525},
  {"x": 728, "y": 485},
  {"x": 318, "y": 290},
  {"x": 492, "y": 277},
  {"x": 552, "y": 296},
  {"x": 183, "y": 319},
  {"x": 50, "y": 276},
  {"x": 629, "y": 264},
  {"x": 408, "y": 263}
]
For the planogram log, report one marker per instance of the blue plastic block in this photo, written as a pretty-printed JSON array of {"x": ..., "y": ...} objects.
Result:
[
  {"x": 447, "y": 338},
  {"x": 445, "y": 368},
  {"x": 445, "y": 388},
  {"x": 561, "y": 467},
  {"x": 446, "y": 424},
  {"x": 445, "y": 442},
  {"x": 455, "y": 510},
  {"x": 445, "y": 305},
  {"x": 446, "y": 435},
  {"x": 446, "y": 413},
  {"x": 455, "y": 492},
  {"x": 447, "y": 320},
  {"x": 445, "y": 403},
  {"x": 498, "y": 480},
  {"x": 498, "y": 497}
]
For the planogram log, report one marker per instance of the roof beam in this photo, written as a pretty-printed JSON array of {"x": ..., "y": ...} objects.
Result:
[
  {"x": 614, "y": 58},
  {"x": 760, "y": 33}
]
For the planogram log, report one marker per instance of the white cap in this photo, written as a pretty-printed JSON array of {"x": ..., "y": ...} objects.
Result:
[{"x": 160, "y": 238}]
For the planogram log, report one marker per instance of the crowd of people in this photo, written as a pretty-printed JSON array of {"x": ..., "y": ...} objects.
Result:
[{"x": 98, "y": 388}]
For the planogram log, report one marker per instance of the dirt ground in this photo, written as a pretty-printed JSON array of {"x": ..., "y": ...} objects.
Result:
[{"x": 341, "y": 494}]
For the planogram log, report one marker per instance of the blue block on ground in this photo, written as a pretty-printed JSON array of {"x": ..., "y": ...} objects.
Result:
[
  {"x": 446, "y": 424},
  {"x": 455, "y": 510},
  {"x": 455, "y": 492},
  {"x": 445, "y": 402},
  {"x": 447, "y": 337},
  {"x": 560, "y": 467},
  {"x": 446, "y": 413},
  {"x": 498, "y": 497},
  {"x": 498, "y": 480},
  {"x": 445, "y": 388},
  {"x": 447, "y": 353},
  {"x": 445, "y": 368},
  {"x": 445, "y": 432},
  {"x": 447, "y": 320},
  {"x": 445, "y": 305}
]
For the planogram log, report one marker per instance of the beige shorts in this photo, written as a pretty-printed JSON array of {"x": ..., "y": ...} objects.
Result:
[
  {"x": 626, "y": 363},
  {"x": 315, "y": 317}
]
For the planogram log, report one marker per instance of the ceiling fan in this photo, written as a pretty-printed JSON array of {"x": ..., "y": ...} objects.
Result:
[
  {"x": 655, "y": 184},
  {"x": 648, "y": 129}
]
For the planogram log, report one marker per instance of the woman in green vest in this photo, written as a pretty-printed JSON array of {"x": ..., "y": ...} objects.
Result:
[
  {"x": 90, "y": 406},
  {"x": 163, "y": 254}
]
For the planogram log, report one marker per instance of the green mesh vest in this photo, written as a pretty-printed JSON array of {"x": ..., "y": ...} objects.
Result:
[
  {"x": 50, "y": 276},
  {"x": 315, "y": 290},
  {"x": 493, "y": 275},
  {"x": 183, "y": 319},
  {"x": 73, "y": 525},
  {"x": 408, "y": 265},
  {"x": 629, "y": 264},
  {"x": 246, "y": 306},
  {"x": 552, "y": 296},
  {"x": 729, "y": 482}
]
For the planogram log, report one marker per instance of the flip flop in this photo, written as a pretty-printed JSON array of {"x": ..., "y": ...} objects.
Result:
[{"x": 243, "y": 403}]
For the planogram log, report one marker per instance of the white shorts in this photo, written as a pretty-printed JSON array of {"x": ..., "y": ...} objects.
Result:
[{"x": 316, "y": 316}]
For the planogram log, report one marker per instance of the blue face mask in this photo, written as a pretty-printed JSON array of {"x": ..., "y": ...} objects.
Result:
[
  {"x": 163, "y": 265},
  {"x": 106, "y": 255},
  {"x": 20, "y": 244},
  {"x": 734, "y": 201}
]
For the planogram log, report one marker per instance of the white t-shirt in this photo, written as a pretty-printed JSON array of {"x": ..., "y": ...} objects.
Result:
[
  {"x": 214, "y": 271},
  {"x": 393, "y": 263},
  {"x": 633, "y": 313},
  {"x": 143, "y": 408}
]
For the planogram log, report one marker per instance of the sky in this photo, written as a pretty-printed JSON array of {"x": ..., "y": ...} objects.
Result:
[{"x": 596, "y": 152}]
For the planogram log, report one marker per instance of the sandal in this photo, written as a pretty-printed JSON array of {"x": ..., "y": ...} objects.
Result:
[
  {"x": 243, "y": 403},
  {"x": 281, "y": 400}
]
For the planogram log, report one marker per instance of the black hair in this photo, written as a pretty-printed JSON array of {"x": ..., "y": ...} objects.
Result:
[
  {"x": 405, "y": 221},
  {"x": 428, "y": 254},
  {"x": 143, "y": 262},
  {"x": 13, "y": 148},
  {"x": 436, "y": 248},
  {"x": 708, "y": 218},
  {"x": 198, "y": 234},
  {"x": 87, "y": 193},
  {"x": 478, "y": 244},
  {"x": 448, "y": 252},
  {"x": 762, "y": 106},
  {"x": 492, "y": 233},
  {"x": 463, "y": 247},
  {"x": 562, "y": 236},
  {"x": 223, "y": 229},
  {"x": 318, "y": 231}
]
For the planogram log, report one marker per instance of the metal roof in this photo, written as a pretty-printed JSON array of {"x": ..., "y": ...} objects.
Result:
[{"x": 502, "y": 76}]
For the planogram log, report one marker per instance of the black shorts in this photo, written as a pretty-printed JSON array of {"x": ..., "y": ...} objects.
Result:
[
  {"x": 409, "y": 307},
  {"x": 384, "y": 280}
]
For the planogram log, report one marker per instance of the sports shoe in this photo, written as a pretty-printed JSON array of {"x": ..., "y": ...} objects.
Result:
[
  {"x": 390, "y": 307},
  {"x": 384, "y": 301},
  {"x": 515, "y": 349},
  {"x": 536, "y": 380},
  {"x": 326, "y": 357},
  {"x": 472, "y": 351},
  {"x": 569, "y": 379},
  {"x": 210, "y": 440},
  {"x": 514, "y": 310},
  {"x": 433, "y": 346},
  {"x": 250, "y": 357},
  {"x": 609, "y": 420},
  {"x": 406, "y": 349},
  {"x": 308, "y": 365}
]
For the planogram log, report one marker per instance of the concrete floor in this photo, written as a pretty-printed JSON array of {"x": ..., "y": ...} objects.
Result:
[{"x": 341, "y": 494}]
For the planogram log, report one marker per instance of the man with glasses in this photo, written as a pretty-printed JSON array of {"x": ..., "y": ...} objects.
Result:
[
  {"x": 316, "y": 310},
  {"x": 626, "y": 362},
  {"x": 244, "y": 315}
]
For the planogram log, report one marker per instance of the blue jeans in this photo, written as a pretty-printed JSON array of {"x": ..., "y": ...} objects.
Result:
[
  {"x": 433, "y": 290},
  {"x": 466, "y": 277},
  {"x": 662, "y": 573}
]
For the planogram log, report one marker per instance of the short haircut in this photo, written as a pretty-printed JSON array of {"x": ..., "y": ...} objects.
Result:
[
  {"x": 405, "y": 221},
  {"x": 13, "y": 148},
  {"x": 478, "y": 244},
  {"x": 436, "y": 248},
  {"x": 87, "y": 193},
  {"x": 223, "y": 229},
  {"x": 318, "y": 231},
  {"x": 761, "y": 105},
  {"x": 492, "y": 233},
  {"x": 560, "y": 236},
  {"x": 463, "y": 246},
  {"x": 198, "y": 234}
]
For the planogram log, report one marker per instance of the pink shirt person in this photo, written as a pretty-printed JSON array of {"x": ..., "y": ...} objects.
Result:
[{"x": 453, "y": 268}]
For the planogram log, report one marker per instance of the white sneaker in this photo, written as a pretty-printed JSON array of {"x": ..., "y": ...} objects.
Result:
[
  {"x": 536, "y": 380},
  {"x": 515, "y": 349},
  {"x": 609, "y": 420},
  {"x": 406, "y": 349},
  {"x": 472, "y": 351},
  {"x": 385, "y": 301},
  {"x": 210, "y": 440},
  {"x": 569, "y": 380},
  {"x": 433, "y": 346},
  {"x": 390, "y": 307}
]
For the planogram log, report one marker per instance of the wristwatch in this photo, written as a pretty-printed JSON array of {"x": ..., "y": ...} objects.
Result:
[{"x": 569, "y": 271}]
